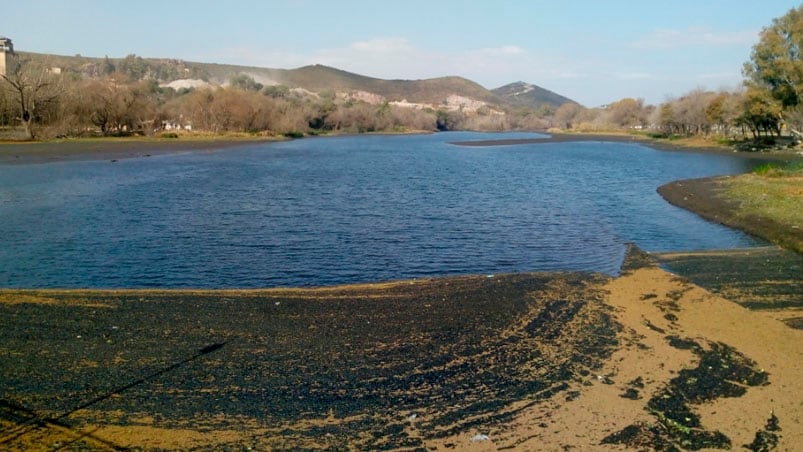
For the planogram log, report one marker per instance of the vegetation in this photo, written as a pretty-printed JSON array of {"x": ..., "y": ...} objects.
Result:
[
  {"x": 773, "y": 193},
  {"x": 768, "y": 103},
  {"x": 87, "y": 96}
]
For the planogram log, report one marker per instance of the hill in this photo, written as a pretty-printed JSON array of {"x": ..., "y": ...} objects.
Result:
[
  {"x": 523, "y": 94},
  {"x": 433, "y": 92}
]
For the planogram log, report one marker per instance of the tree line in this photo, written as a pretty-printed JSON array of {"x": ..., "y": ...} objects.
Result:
[
  {"x": 125, "y": 98},
  {"x": 768, "y": 103},
  {"x": 38, "y": 102}
]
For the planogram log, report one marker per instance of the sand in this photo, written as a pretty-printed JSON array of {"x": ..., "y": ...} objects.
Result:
[{"x": 526, "y": 362}]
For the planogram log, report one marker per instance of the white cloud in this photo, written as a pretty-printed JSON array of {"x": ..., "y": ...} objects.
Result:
[
  {"x": 632, "y": 75},
  {"x": 504, "y": 50},
  {"x": 695, "y": 36},
  {"x": 382, "y": 45}
]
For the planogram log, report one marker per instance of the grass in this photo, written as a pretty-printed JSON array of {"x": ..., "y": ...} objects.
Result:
[{"x": 771, "y": 191}]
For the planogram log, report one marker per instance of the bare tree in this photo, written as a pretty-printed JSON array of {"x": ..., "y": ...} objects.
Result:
[{"x": 34, "y": 89}]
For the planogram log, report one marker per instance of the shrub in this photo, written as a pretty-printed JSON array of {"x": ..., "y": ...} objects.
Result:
[
  {"x": 764, "y": 169},
  {"x": 170, "y": 135}
]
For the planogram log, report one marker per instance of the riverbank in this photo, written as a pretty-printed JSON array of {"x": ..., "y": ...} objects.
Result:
[
  {"x": 675, "y": 145},
  {"x": 732, "y": 201},
  {"x": 113, "y": 148},
  {"x": 22, "y": 152},
  {"x": 546, "y": 361},
  {"x": 116, "y": 148}
]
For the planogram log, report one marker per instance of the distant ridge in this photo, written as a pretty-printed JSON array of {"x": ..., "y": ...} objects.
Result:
[
  {"x": 528, "y": 95},
  {"x": 318, "y": 79}
]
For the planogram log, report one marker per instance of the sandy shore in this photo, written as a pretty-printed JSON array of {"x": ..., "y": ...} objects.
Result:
[{"x": 554, "y": 361}]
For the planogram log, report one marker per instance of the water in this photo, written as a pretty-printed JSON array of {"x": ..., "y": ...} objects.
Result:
[{"x": 349, "y": 209}]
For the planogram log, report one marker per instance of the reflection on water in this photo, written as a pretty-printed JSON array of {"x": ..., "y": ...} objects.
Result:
[{"x": 348, "y": 209}]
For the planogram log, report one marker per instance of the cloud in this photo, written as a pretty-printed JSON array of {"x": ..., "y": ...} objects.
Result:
[
  {"x": 666, "y": 38},
  {"x": 382, "y": 45},
  {"x": 504, "y": 50},
  {"x": 632, "y": 75}
]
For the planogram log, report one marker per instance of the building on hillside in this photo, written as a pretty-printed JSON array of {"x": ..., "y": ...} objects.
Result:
[{"x": 6, "y": 55}]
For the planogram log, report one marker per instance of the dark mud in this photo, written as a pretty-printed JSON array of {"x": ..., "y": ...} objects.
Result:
[
  {"x": 106, "y": 149},
  {"x": 720, "y": 372},
  {"x": 371, "y": 367},
  {"x": 766, "y": 439},
  {"x": 552, "y": 138},
  {"x": 756, "y": 278}
]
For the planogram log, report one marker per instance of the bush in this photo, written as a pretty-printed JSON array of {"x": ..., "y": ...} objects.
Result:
[
  {"x": 170, "y": 135},
  {"x": 765, "y": 169}
]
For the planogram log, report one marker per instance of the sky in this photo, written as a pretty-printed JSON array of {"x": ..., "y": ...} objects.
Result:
[{"x": 594, "y": 52}]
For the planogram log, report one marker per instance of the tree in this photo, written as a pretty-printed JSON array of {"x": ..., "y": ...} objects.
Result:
[
  {"x": 35, "y": 90},
  {"x": 775, "y": 63},
  {"x": 244, "y": 82},
  {"x": 627, "y": 112},
  {"x": 566, "y": 114},
  {"x": 761, "y": 112}
]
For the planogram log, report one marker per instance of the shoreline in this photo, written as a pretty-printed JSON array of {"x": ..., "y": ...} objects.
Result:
[
  {"x": 703, "y": 197},
  {"x": 114, "y": 149},
  {"x": 658, "y": 144},
  {"x": 110, "y": 148},
  {"x": 540, "y": 361},
  {"x": 93, "y": 149}
]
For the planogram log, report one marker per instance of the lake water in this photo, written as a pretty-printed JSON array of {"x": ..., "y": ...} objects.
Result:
[{"x": 348, "y": 209}]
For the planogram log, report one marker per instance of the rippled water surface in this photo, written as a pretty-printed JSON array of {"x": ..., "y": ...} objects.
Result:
[{"x": 348, "y": 209}]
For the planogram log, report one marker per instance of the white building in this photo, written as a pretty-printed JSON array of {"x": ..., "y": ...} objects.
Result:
[{"x": 6, "y": 55}]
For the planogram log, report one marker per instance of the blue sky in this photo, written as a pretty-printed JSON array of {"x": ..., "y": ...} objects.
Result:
[{"x": 594, "y": 52}]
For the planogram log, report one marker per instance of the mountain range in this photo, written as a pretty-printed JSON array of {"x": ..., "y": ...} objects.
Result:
[{"x": 314, "y": 78}]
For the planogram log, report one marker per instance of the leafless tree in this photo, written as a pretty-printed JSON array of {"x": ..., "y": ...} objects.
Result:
[{"x": 34, "y": 89}]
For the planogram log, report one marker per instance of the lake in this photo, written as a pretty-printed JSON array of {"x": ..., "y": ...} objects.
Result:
[{"x": 325, "y": 211}]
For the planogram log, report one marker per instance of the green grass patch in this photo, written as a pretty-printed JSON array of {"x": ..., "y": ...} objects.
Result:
[
  {"x": 774, "y": 197},
  {"x": 780, "y": 170}
]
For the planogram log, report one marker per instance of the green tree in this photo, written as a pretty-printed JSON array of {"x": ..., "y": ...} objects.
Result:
[
  {"x": 244, "y": 82},
  {"x": 761, "y": 112},
  {"x": 775, "y": 63},
  {"x": 134, "y": 67}
]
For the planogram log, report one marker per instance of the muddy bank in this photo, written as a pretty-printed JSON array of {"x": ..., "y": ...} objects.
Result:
[
  {"x": 705, "y": 197},
  {"x": 551, "y": 138},
  {"x": 106, "y": 149},
  {"x": 528, "y": 362},
  {"x": 664, "y": 145}
]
